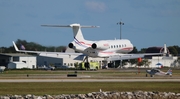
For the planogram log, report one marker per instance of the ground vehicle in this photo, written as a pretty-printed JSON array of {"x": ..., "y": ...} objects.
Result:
[
  {"x": 62, "y": 67},
  {"x": 92, "y": 66}
]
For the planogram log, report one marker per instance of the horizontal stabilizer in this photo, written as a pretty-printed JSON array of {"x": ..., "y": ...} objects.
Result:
[{"x": 71, "y": 25}]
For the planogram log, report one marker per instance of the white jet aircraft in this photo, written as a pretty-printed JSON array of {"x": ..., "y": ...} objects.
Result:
[
  {"x": 110, "y": 49},
  {"x": 153, "y": 72}
]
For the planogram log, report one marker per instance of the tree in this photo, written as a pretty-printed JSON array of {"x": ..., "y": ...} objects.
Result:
[
  {"x": 76, "y": 65},
  {"x": 177, "y": 48},
  {"x": 172, "y": 50},
  {"x": 146, "y": 62},
  {"x": 143, "y": 50},
  {"x": 134, "y": 50},
  {"x": 37, "y": 47}
]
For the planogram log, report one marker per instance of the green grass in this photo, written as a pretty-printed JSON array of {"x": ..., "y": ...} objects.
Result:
[
  {"x": 57, "y": 74},
  {"x": 56, "y": 88}
]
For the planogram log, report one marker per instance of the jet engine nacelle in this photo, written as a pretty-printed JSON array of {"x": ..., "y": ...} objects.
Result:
[
  {"x": 100, "y": 45},
  {"x": 71, "y": 45}
]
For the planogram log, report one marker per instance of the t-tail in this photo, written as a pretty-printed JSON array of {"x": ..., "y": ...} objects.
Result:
[
  {"x": 169, "y": 72},
  {"x": 76, "y": 29}
]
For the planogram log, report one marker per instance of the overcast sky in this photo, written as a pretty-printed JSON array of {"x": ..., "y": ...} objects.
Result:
[{"x": 146, "y": 22}]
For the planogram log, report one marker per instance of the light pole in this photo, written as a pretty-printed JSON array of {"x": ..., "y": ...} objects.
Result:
[{"x": 120, "y": 23}]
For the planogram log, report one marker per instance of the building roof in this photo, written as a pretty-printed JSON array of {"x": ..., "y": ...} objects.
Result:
[
  {"x": 156, "y": 50},
  {"x": 16, "y": 54}
]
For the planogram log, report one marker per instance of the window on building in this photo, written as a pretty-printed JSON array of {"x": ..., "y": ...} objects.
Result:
[
  {"x": 15, "y": 59},
  {"x": 33, "y": 66},
  {"x": 24, "y": 61}
]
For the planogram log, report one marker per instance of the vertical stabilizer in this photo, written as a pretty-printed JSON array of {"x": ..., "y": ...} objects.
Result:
[
  {"x": 77, "y": 32},
  {"x": 165, "y": 49}
]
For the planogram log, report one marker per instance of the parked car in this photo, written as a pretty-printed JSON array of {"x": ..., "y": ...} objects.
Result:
[
  {"x": 105, "y": 67},
  {"x": 62, "y": 67}
]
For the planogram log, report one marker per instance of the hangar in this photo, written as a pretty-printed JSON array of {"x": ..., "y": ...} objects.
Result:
[
  {"x": 166, "y": 59},
  {"x": 17, "y": 60},
  {"x": 22, "y": 60},
  {"x": 66, "y": 60},
  {"x": 158, "y": 61}
]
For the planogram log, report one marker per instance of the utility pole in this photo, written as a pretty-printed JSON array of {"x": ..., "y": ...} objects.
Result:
[{"x": 120, "y": 23}]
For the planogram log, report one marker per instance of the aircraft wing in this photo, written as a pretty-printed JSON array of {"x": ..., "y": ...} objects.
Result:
[
  {"x": 130, "y": 56},
  {"x": 43, "y": 52}
]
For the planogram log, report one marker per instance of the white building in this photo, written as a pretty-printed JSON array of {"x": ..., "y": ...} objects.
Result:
[
  {"x": 156, "y": 61},
  {"x": 18, "y": 61},
  {"x": 167, "y": 60},
  {"x": 68, "y": 60},
  {"x": 159, "y": 61}
]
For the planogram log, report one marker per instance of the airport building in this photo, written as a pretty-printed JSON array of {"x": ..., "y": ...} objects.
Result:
[
  {"x": 63, "y": 60},
  {"x": 17, "y": 61},
  {"x": 158, "y": 61},
  {"x": 162, "y": 61},
  {"x": 165, "y": 60},
  {"x": 21, "y": 60}
]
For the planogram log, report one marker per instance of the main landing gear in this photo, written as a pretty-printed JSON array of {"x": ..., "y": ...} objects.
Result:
[{"x": 86, "y": 64}]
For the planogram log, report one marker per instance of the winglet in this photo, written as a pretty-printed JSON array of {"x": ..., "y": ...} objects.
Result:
[{"x": 16, "y": 48}]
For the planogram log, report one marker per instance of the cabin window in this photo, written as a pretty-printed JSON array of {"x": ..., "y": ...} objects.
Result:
[
  {"x": 117, "y": 46},
  {"x": 114, "y": 46}
]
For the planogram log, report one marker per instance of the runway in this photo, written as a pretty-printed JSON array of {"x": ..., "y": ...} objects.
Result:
[{"x": 89, "y": 80}]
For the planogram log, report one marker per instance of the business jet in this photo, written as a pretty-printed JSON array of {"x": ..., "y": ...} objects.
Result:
[
  {"x": 153, "y": 72},
  {"x": 109, "y": 49}
]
